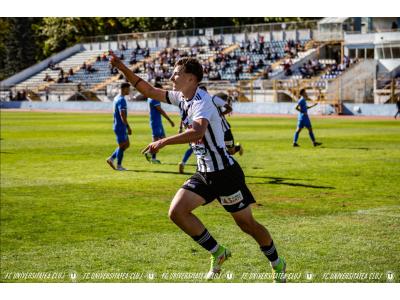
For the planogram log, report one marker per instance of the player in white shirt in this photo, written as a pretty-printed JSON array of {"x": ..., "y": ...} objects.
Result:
[{"x": 218, "y": 176}]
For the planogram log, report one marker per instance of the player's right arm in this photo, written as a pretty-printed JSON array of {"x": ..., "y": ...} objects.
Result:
[{"x": 141, "y": 85}]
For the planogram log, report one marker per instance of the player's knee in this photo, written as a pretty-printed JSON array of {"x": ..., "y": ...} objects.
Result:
[{"x": 175, "y": 213}]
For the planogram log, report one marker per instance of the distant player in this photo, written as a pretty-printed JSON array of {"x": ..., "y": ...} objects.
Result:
[
  {"x": 222, "y": 102},
  {"x": 156, "y": 124},
  {"x": 218, "y": 175},
  {"x": 121, "y": 127},
  {"x": 303, "y": 119},
  {"x": 398, "y": 107}
]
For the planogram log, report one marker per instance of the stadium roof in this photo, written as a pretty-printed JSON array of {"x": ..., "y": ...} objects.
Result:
[{"x": 333, "y": 20}]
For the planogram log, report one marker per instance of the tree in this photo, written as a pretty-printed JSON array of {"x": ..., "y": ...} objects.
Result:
[{"x": 18, "y": 45}]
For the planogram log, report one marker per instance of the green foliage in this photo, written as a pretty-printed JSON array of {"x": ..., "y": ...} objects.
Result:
[
  {"x": 17, "y": 45},
  {"x": 329, "y": 209}
]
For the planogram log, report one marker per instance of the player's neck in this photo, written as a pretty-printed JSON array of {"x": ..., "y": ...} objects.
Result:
[{"x": 189, "y": 93}]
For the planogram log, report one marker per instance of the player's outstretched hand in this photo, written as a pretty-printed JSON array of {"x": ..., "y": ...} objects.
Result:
[
  {"x": 153, "y": 147},
  {"x": 114, "y": 60},
  {"x": 172, "y": 123}
]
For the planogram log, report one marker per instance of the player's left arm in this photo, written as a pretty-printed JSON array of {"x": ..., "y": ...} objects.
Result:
[
  {"x": 311, "y": 106},
  {"x": 164, "y": 114},
  {"x": 124, "y": 119},
  {"x": 193, "y": 134}
]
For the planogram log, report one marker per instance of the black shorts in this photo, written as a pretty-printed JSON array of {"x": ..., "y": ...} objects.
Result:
[
  {"x": 228, "y": 138},
  {"x": 228, "y": 186}
]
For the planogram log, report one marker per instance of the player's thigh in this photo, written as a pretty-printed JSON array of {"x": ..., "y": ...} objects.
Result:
[
  {"x": 158, "y": 132},
  {"x": 185, "y": 201},
  {"x": 122, "y": 137}
]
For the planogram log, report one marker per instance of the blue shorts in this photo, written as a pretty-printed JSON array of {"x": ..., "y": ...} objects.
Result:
[
  {"x": 122, "y": 136},
  {"x": 304, "y": 122},
  {"x": 158, "y": 131}
]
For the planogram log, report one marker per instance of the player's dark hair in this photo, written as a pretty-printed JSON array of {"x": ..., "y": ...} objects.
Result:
[
  {"x": 302, "y": 91},
  {"x": 158, "y": 85},
  {"x": 223, "y": 96},
  {"x": 191, "y": 66},
  {"x": 125, "y": 85},
  {"x": 203, "y": 87}
]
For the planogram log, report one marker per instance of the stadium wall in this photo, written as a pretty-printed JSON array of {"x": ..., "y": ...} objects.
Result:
[{"x": 242, "y": 108}]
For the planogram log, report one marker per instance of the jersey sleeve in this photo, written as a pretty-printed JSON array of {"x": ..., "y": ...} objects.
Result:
[
  {"x": 173, "y": 97},
  {"x": 203, "y": 109}
]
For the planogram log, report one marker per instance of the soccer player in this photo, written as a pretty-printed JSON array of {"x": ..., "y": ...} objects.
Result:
[
  {"x": 121, "y": 127},
  {"x": 218, "y": 174},
  {"x": 221, "y": 101},
  {"x": 398, "y": 107},
  {"x": 303, "y": 119},
  {"x": 156, "y": 124}
]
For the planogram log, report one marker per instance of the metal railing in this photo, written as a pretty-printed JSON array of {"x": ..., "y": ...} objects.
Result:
[{"x": 168, "y": 34}]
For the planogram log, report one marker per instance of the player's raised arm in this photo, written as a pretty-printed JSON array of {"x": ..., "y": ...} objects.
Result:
[{"x": 141, "y": 85}]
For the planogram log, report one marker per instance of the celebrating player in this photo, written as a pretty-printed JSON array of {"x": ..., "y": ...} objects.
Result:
[{"x": 218, "y": 174}]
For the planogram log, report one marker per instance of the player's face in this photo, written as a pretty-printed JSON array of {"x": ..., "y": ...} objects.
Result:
[
  {"x": 125, "y": 91},
  {"x": 179, "y": 79}
]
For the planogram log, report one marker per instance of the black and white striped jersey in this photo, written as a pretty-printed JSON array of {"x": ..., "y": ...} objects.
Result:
[{"x": 210, "y": 151}]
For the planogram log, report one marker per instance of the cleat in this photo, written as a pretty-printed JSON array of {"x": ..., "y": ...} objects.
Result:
[
  {"x": 148, "y": 156},
  {"x": 217, "y": 259},
  {"x": 110, "y": 161},
  {"x": 121, "y": 168},
  {"x": 296, "y": 145},
  {"x": 279, "y": 271},
  {"x": 316, "y": 144},
  {"x": 241, "y": 149},
  {"x": 181, "y": 167},
  {"x": 155, "y": 161}
]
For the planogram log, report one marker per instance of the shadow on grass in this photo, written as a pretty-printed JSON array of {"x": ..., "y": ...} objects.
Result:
[
  {"x": 351, "y": 148},
  {"x": 282, "y": 180},
  {"x": 157, "y": 172}
]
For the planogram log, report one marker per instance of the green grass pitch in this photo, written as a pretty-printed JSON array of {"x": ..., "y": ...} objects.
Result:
[{"x": 334, "y": 209}]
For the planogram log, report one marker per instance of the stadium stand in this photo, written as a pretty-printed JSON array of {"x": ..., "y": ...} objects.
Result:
[{"x": 264, "y": 63}]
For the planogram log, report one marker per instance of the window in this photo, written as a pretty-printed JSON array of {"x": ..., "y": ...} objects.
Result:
[
  {"x": 387, "y": 53},
  {"x": 361, "y": 53},
  {"x": 370, "y": 53},
  {"x": 396, "y": 52}
]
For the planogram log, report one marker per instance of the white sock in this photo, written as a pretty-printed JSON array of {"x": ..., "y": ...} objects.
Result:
[{"x": 275, "y": 262}]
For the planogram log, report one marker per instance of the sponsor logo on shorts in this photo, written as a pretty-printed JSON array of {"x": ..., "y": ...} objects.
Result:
[
  {"x": 189, "y": 184},
  {"x": 232, "y": 199}
]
